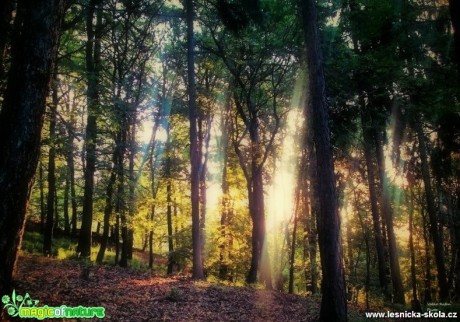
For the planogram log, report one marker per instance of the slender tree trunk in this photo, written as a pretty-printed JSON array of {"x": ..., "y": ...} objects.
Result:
[
  {"x": 415, "y": 303},
  {"x": 454, "y": 6},
  {"x": 65, "y": 207},
  {"x": 293, "y": 241},
  {"x": 122, "y": 224},
  {"x": 69, "y": 155},
  {"x": 48, "y": 236},
  {"x": 387, "y": 211},
  {"x": 93, "y": 54},
  {"x": 432, "y": 214},
  {"x": 224, "y": 257},
  {"x": 260, "y": 262},
  {"x": 6, "y": 16},
  {"x": 381, "y": 262},
  {"x": 108, "y": 209},
  {"x": 42, "y": 199},
  {"x": 169, "y": 209},
  {"x": 312, "y": 215},
  {"x": 428, "y": 278},
  {"x": 195, "y": 155},
  {"x": 21, "y": 120},
  {"x": 333, "y": 303},
  {"x": 152, "y": 216}
]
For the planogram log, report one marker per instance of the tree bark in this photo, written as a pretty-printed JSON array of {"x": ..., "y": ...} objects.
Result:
[
  {"x": 48, "y": 236},
  {"x": 333, "y": 303},
  {"x": 432, "y": 214},
  {"x": 93, "y": 53},
  {"x": 21, "y": 120},
  {"x": 195, "y": 155},
  {"x": 367, "y": 142},
  {"x": 108, "y": 208},
  {"x": 387, "y": 211},
  {"x": 415, "y": 304},
  {"x": 454, "y": 6}
]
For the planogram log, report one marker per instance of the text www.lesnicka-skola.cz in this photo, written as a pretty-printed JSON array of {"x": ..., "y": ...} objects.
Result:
[{"x": 433, "y": 314}]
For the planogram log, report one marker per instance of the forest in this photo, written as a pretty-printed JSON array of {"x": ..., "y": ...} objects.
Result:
[{"x": 305, "y": 153}]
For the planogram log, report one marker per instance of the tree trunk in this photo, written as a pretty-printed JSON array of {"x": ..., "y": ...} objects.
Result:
[
  {"x": 432, "y": 214},
  {"x": 108, "y": 208},
  {"x": 454, "y": 6},
  {"x": 293, "y": 241},
  {"x": 260, "y": 262},
  {"x": 6, "y": 15},
  {"x": 169, "y": 207},
  {"x": 387, "y": 211},
  {"x": 42, "y": 199},
  {"x": 48, "y": 236},
  {"x": 333, "y": 303},
  {"x": 224, "y": 253},
  {"x": 195, "y": 155},
  {"x": 415, "y": 303},
  {"x": 93, "y": 53},
  {"x": 367, "y": 142},
  {"x": 427, "y": 298},
  {"x": 21, "y": 120}
]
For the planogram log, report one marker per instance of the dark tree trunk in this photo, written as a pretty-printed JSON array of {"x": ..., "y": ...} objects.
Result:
[
  {"x": 432, "y": 214},
  {"x": 387, "y": 211},
  {"x": 312, "y": 214},
  {"x": 69, "y": 151},
  {"x": 333, "y": 303},
  {"x": 454, "y": 6},
  {"x": 65, "y": 207},
  {"x": 6, "y": 15},
  {"x": 152, "y": 216},
  {"x": 226, "y": 211},
  {"x": 367, "y": 143},
  {"x": 195, "y": 155},
  {"x": 93, "y": 53},
  {"x": 260, "y": 262},
  {"x": 121, "y": 204},
  {"x": 21, "y": 120},
  {"x": 169, "y": 208},
  {"x": 427, "y": 298},
  {"x": 108, "y": 209},
  {"x": 48, "y": 236},
  {"x": 415, "y": 303},
  {"x": 42, "y": 199},
  {"x": 293, "y": 241}
]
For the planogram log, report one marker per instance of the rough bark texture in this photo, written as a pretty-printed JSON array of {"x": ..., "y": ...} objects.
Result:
[
  {"x": 333, "y": 303},
  {"x": 454, "y": 6},
  {"x": 381, "y": 261},
  {"x": 432, "y": 215},
  {"x": 195, "y": 157},
  {"x": 48, "y": 235},
  {"x": 93, "y": 48},
  {"x": 21, "y": 121}
]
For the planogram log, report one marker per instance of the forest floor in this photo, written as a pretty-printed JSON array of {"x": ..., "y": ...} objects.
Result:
[{"x": 135, "y": 295}]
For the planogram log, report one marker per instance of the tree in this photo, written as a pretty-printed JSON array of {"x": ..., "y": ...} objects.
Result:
[
  {"x": 93, "y": 55},
  {"x": 195, "y": 155},
  {"x": 21, "y": 119},
  {"x": 333, "y": 303}
]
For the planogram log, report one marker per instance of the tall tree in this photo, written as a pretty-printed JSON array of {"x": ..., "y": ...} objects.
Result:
[
  {"x": 50, "y": 207},
  {"x": 333, "y": 303},
  {"x": 195, "y": 155},
  {"x": 93, "y": 55},
  {"x": 21, "y": 120}
]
